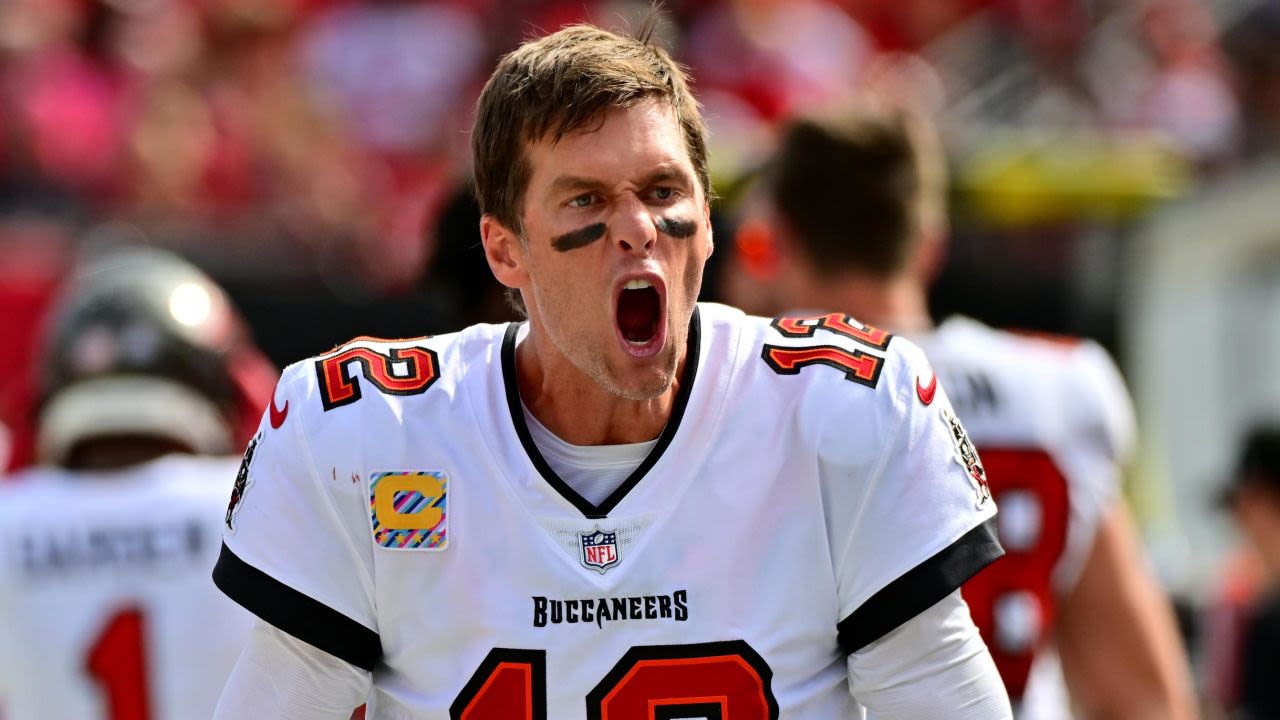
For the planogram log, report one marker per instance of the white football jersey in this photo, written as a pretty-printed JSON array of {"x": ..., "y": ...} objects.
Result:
[
  {"x": 801, "y": 502},
  {"x": 108, "y": 609},
  {"x": 1054, "y": 425}
]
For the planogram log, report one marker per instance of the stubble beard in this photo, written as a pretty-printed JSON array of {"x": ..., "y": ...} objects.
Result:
[
  {"x": 595, "y": 363},
  {"x": 593, "y": 359},
  {"x": 653, "y": 384}
]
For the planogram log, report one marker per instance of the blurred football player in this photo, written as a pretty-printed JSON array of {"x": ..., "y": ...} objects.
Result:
[
  {"x": 106, "y": 545},
  {"x": 632, "y": 505},
  {"x": 850, "y": 216}
]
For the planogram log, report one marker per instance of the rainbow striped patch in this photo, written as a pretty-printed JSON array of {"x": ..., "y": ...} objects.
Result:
[{"x": 410, "y": 510}]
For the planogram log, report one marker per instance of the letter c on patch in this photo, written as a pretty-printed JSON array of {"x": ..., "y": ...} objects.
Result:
[{"x": 384, "y": 496}]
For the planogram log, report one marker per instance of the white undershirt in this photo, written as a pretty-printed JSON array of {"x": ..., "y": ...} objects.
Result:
[{"x": 593, "y": 471}]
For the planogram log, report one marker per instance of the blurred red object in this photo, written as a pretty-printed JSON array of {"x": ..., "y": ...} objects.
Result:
[
  {"x": 70, "y": 114},
  {"x": 36, "y": 256}
]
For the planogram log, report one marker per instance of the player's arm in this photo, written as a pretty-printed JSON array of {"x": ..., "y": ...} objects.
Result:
[
  {"x": 283, "y": 678},
  {"x": 1117, "y": 638},
  {"x": 933, "y": 666},
  {"x": 1116, "y": 635},
  {"x": 910, "y": 519},
  {"x": 296, "y": 553}
]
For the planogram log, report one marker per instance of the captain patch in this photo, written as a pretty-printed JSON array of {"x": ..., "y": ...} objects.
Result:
[
  {"x": 967, "y": 456},
  {"x": 410, "y": 510}
]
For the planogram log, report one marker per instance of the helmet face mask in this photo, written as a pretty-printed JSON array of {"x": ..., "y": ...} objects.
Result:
[{"x": 139, "y": 356}]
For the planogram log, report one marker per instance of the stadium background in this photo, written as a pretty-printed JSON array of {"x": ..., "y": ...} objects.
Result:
[{"x": 1115, "y": 174}]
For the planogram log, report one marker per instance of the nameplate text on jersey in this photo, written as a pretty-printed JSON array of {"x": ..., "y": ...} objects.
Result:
[{"x": 674, "y": 607}]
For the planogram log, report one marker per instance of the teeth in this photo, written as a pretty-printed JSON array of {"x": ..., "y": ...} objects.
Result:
[{"x": 637, "y": 285}]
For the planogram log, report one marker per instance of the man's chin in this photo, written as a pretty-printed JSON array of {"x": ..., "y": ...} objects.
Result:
[
  {"x": 641, "y": 382},
  {"x": 637, "y": 387}
]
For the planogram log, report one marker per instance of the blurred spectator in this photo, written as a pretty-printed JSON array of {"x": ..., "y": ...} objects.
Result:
[
  {"x": 108, "y": 544},
  {"x": 459, "y": 277},
  {"x": 778, "y": 56},
  {"x": 1253, "y": 496},
  {"x": 1253, "y": 45},
  {"x": 398, "y": 76},
  {"x": 63, "y": 95},
  {"x": 1187, "y": 93},
  {"x": 393, "y": 71}
]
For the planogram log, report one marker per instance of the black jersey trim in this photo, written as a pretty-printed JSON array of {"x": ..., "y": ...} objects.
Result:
[
  {"x": 920, "y": 588},
  {"x": 303, "y": 617},
  {"x": 588, "y": 508}
]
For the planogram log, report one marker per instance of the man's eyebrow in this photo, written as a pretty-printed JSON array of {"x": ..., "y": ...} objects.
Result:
[
  {"x": 565, "y": 183},
  {"x": 665, "y": 172}
]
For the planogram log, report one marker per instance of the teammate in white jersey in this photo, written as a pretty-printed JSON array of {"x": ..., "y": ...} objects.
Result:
[
  {"x": 852, "y": 208},
  {"x": 630, "y": 506},
  {"x": 106, "y": 547}
]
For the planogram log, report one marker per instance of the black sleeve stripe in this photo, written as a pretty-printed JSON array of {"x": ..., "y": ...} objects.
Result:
[
  {"x": 920, "y": 588},
  {"x": 303, "y": 617}
]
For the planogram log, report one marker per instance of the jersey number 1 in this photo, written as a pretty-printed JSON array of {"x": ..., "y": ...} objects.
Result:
[
  {"x": 857, "y": 366},
  {"x": 719, "y": 681},
  {"x": 118, "y": 662}
]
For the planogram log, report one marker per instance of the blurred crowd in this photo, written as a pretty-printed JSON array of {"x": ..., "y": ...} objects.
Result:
[
  {"x": 325, "y": 135},
  {"x": 312, "y": 154},
  {"x": 294, "y": 141}
]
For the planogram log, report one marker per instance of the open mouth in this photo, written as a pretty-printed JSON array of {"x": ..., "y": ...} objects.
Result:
[{"x": 639, "y": 313}]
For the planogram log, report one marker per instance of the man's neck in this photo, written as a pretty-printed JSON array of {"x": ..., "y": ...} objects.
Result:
[
  {"x": 895, "y": 303},
  {"x": 576, "y": 408}
]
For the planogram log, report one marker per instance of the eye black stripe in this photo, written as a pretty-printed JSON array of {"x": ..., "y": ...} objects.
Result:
[
  {"x": 581, "y": 237},
  {"x": 676, "y": 227}
]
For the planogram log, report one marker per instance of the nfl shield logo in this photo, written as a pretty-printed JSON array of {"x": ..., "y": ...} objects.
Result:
[{"x": 599, "y": 550}]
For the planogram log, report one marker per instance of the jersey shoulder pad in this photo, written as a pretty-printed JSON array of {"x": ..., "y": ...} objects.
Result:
[
  {"x": 1079, "y": 377},
  {"x": 1075, "y": 376},
  {"x": 1098, "y": 402}
]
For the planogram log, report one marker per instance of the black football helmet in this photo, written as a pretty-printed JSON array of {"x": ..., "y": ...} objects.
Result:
[{"x": 142, "y": 344}]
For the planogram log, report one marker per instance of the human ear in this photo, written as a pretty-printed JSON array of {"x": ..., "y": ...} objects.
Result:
[
  {"x": 711, "y": 239},
  {"x": 930, "y": 257},
  {"x": 505, "y": 253}
]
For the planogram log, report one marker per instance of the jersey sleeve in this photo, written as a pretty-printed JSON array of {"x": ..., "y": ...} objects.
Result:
[
  {"x": 282, "y": 678},
  {"x": 908, "y": 510},
  {"x": 295, "y": 546},
  {"x": 934, "y": 666}
]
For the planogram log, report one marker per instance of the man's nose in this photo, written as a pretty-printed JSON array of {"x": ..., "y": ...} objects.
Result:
[{"x": 633, "y": 227}]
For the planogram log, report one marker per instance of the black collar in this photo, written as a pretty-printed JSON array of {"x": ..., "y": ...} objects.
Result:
[{"x": 589, "y": 509}]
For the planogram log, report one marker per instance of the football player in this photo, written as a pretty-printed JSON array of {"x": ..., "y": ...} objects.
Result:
[
  {"x": 106, "y": 545},
  {"x": 851, "y": 211},
  {"x": 631, "y": 505}
]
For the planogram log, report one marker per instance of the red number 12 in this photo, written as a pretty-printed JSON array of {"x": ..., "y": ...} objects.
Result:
[{"x": 721, "y": 680}]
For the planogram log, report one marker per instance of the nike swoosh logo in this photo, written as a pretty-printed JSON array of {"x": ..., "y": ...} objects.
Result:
[
  {"x": 278, "y": 416},
  {"x": 926, "y": 393}
]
